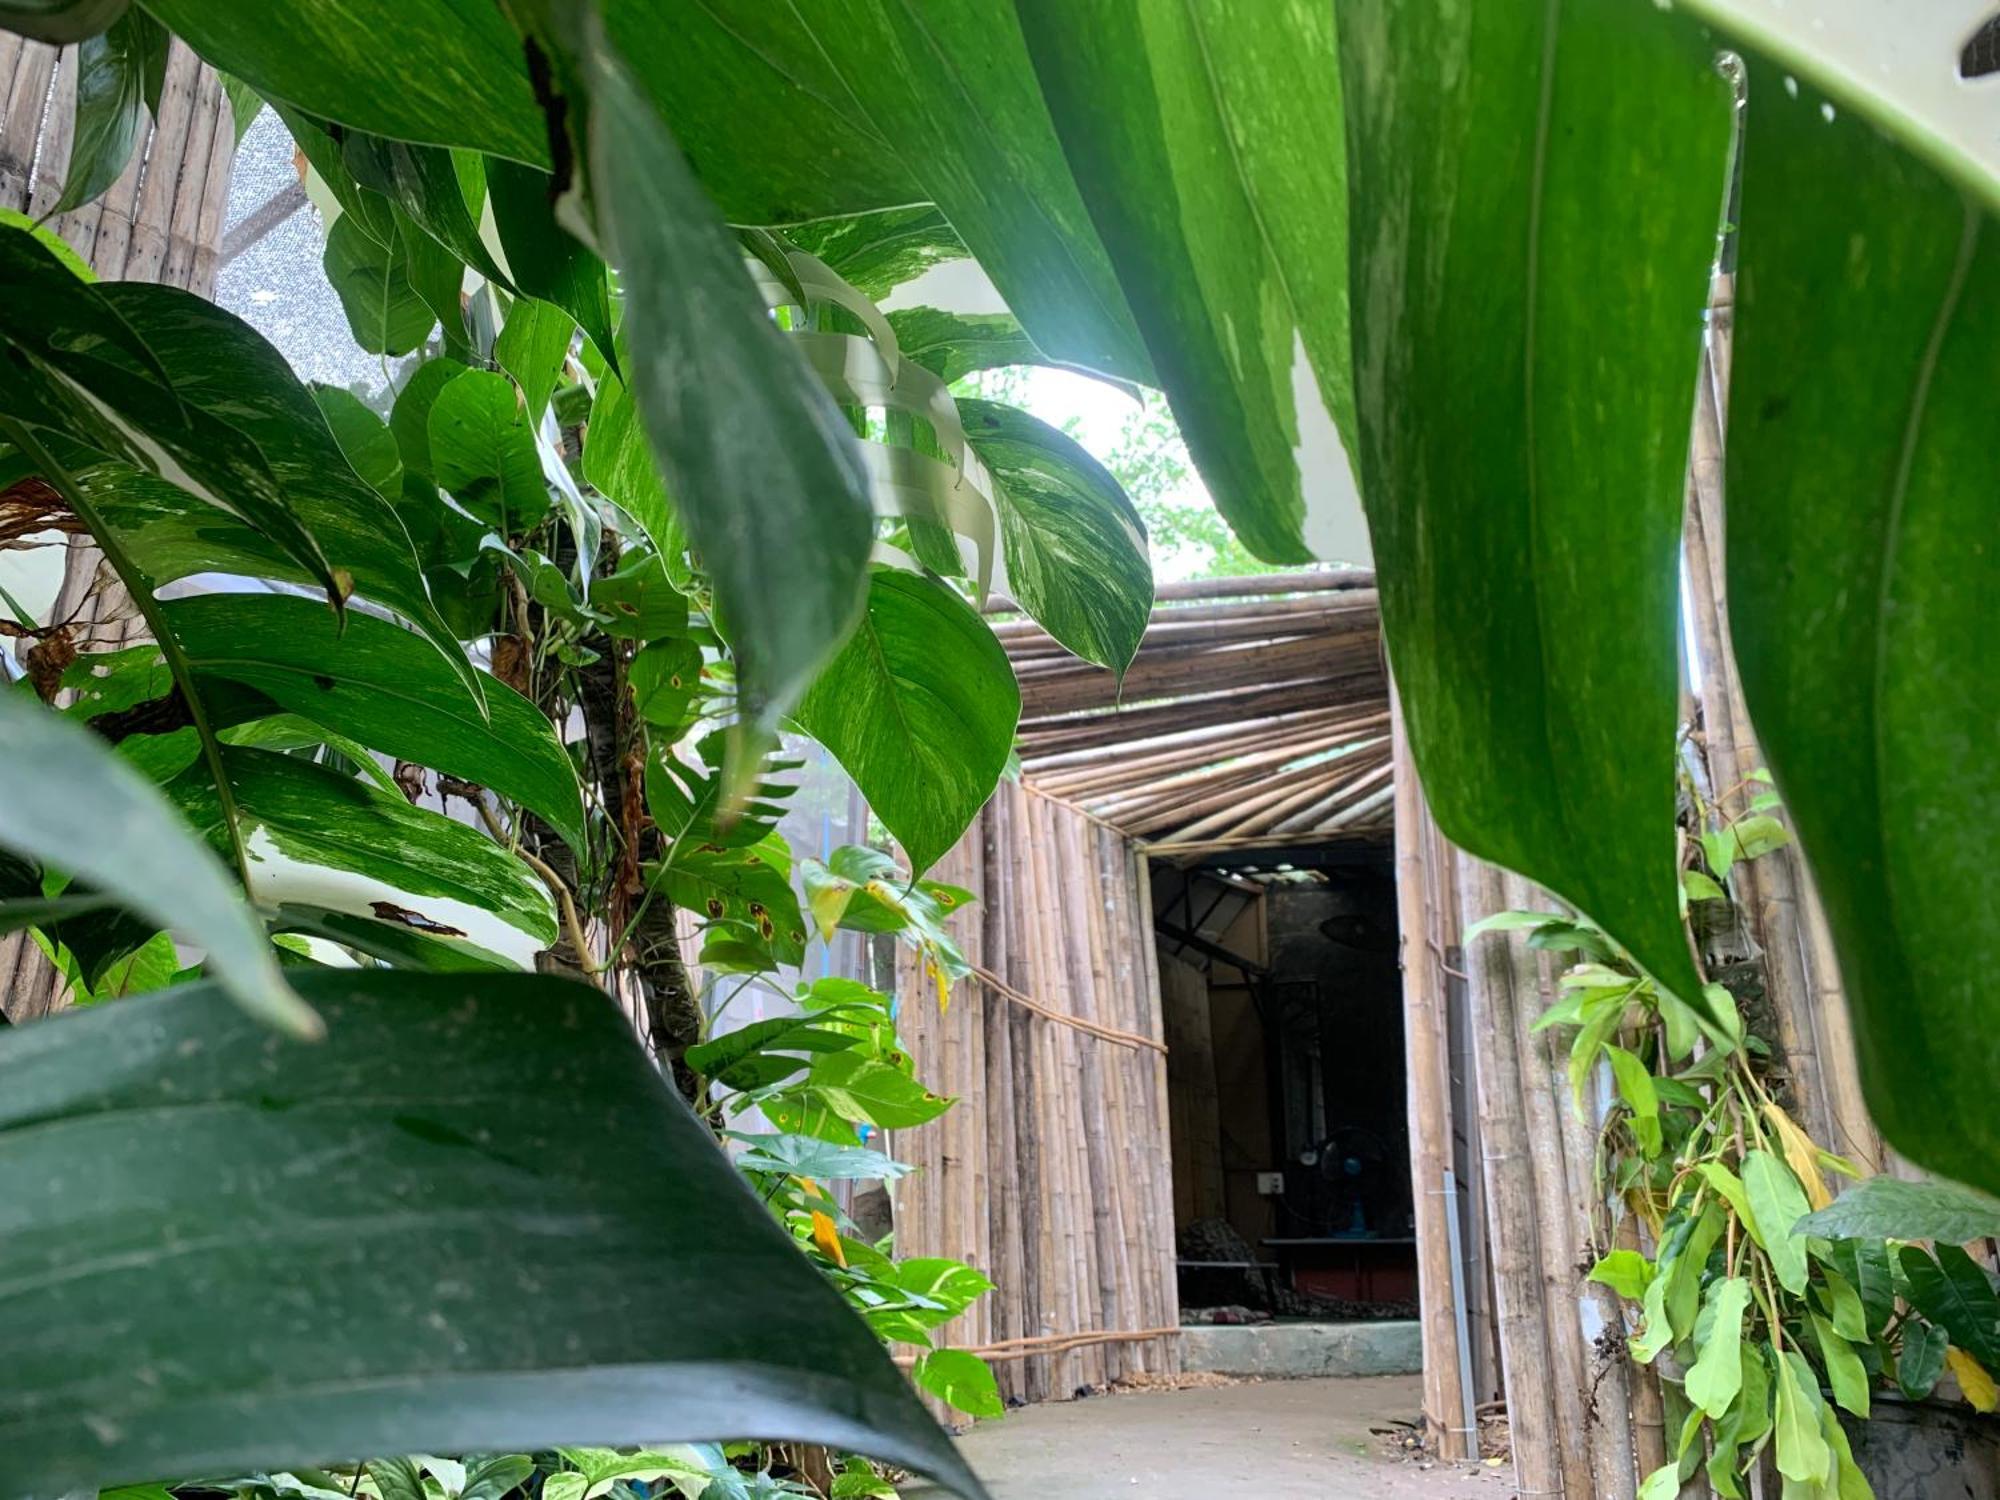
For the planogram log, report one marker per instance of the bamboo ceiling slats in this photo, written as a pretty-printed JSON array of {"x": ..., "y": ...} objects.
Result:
[{"x": 1256, "y": 711}]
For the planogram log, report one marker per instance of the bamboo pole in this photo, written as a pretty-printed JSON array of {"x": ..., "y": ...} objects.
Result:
[
  {"x": 1167, "y": 1296},
  {"x": 1430, "y": 1114},
  {"x": 1318, "y": 580},
  {"x": 1003, "y": 1206},
  {"x": 1517, "y": 1250},
  {"x": 1022, "y": 1086}
]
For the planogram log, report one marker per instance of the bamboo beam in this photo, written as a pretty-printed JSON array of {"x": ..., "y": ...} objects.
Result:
[{"x": 1266, "y": 583}]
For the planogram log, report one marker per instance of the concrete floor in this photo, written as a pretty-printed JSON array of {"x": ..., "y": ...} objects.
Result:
[{"x": 1263, "y": 1440}]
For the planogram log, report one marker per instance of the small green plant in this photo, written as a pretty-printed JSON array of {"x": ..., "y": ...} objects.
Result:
[{"x": 1753, "y": 1306}]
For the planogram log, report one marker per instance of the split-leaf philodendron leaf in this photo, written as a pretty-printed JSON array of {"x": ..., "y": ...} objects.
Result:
[{"x": 314, "y": 1251}]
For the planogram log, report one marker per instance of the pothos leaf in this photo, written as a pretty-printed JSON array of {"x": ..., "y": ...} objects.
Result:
[
  {"x": 117, "y": 74},
  {"x": 959, "y": 1379},
  {"x": 919, "y": 707}
]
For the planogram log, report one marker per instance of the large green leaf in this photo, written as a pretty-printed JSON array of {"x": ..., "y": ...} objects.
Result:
[
  {"x": 364, "y": 438},
  {"x": 739, "y": 886},
  {"x": 765, "y": 120},
  {"x": 220, "y": 367},
  {"x": 951, "y": 88},
  {"x": 1953, "y": 1290},
  {"x": 919, "y": 707},
  {"x": 438, "y": 72},
  {"x": 877, "y": 252},
  {"x": 1862, "y": 578},
  {"x": 1524, "y": 350},
  {"x": 954, "y": 345},
  {"x": 1074, "y": 543},
  {"x": 762, "y": 469},
  {"x": 425, "y": 183},
  {"x": 1779, "y": 1202},
  {"x": 1208, "y": 144},
  {"x": 382, "y": 686},
  {"x": 113, "y": 75},
  {"x": 310, "y": 1252},
  {"x": 318, "y": 817},
  {"x": 618, "y": 461},
  {"x": 133, "y": 370},
  {"x": 532, "y": 347},
  {"x": 172, "y": 535},
  {"x": 81, "y": 809}
]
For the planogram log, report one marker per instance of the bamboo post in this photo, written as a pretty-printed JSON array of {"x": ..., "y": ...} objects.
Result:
[
  {"x": 1022, "y": 1086},
  {"x": 1535, "y": 1269},
  {"x": 1166, "y": 1304},
  {"x": 1003, "y": 1206},
  {"x": 1424, "y": 1043}
]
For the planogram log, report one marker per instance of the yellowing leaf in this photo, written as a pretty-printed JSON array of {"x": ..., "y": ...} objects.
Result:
[
  {"x": 829, "y": 904},
  {"x": 826, "y": 1235},
  {"x": 1801, "y": 1155},
  {"x": 936, "y": 970},
  {"x": 1972, "y": 1379}
]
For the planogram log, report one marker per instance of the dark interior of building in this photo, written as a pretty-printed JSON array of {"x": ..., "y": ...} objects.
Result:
[{"x": 1283, "y": 1011}]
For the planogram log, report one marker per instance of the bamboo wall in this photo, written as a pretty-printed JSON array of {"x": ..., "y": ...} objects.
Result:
[
  {"x": 1052, "y": 1174},
  {"x": 160, "y": 221}
]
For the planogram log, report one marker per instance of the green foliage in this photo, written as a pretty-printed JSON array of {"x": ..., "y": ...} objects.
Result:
[
  {"x": 749, "y": 444},
  {"x": 118, "y": 77},
  {"x": 385, "y": 688},
  {"x": 1758, "y": 1310},
  {"x": 527, "y": 1149},
  {"x": 1885, "y": 1206},
  {"x": 1075, "y": 546},
  {"x": 1161, "y": 193},
  {"x": 1208, "y": 145},
  {"x": 919, "y": 707},
  {"x": 1851, "y": 587},
  {"x": 102, "y": 822},
  {"x": 1472, "y": 583},
  {"x": 385, "y": 311}
]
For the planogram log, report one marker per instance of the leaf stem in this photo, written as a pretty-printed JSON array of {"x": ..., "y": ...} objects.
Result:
[{"x": 141, "y": 589}]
